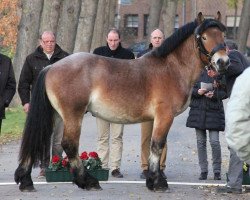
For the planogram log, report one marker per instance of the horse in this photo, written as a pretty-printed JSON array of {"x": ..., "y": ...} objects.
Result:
[{"x": 155, "y": 87}]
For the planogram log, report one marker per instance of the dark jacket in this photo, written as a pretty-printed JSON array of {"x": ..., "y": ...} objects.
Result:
[
  {"x": 207, "y": 113},
  {"x": 7, "y": 83},
  {"x": 140, "y": 54},
  {"x": 238, "y": 63},
  {"x": 33, "y": 64},
  {"x": 120, "y": 52}
]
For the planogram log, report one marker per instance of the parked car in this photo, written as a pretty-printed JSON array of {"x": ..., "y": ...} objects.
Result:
[{"x": 138, "y": 47}]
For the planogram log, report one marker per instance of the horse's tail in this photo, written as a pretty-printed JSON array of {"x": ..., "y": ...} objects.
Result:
[{"x": 39, "y": 125}]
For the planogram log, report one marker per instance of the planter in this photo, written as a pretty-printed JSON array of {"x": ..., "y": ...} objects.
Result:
[{"x": 63, "y": 175}]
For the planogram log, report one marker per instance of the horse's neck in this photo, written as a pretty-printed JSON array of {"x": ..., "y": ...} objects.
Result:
[{"x": 189, "y": 60}]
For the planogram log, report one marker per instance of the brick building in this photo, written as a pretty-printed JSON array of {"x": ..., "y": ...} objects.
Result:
[{"x": 133, "y": 16}]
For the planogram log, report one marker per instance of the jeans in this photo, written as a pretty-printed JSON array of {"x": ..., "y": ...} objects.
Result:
[
  {"x": 112, "y": 152},
  {"x": 202, "y": 149}
]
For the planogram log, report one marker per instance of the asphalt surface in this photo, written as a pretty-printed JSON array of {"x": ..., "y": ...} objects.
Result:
[{"x": 182, "y": 170}]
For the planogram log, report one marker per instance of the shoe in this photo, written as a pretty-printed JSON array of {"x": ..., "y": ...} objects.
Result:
[
  {"x": 163, "y": 174},
  {"x": 116, "y": 173},
  {"x": 203, "y": 176},
  {"x": 227, "y": 189},
  {"x": 42, "y": 173},
  {"x": 144, "y": 174},
  {"x": 217, "y": 176}
]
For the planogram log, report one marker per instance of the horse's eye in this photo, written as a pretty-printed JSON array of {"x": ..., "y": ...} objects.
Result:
[{"x": 204, "y": 38}]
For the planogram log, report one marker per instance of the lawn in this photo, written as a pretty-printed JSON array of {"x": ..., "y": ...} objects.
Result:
[{"x": 12, "y": 126}]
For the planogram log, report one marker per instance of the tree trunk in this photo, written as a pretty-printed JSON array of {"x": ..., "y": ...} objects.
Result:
[
  {"x": 86, "y": 25},
  {"x": 97, "y": 39},
  {"x": 67, "y": 26},
  {"x": 235, "y": 19},
  {"x": 154, "y": 15},
  {"x": 112, "y": 11},
  {"x": 28, "y": 34},
  {"x": 168, "y": 16},
  {"x": 244, "y": 26},
  {"x": 50, "y": 15}
]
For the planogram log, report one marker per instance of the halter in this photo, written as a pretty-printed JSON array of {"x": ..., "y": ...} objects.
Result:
[{"x": 208, "y": 23}]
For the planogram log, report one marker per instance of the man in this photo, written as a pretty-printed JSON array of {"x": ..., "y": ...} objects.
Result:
[
  {"x": 46, "y": 54},
  {"x": 7, "y": 85},
  {"x": 238, "y": 117},
  {"x": 113, "y": 49},
  {"x": 238, "y": 63},
  {"x": 156, "y": 39}
]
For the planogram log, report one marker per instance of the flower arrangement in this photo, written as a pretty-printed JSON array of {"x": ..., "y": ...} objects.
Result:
[{"x": 91, "y": 161}]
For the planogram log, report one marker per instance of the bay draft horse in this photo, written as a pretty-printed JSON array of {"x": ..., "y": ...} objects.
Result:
[{"x": 155, "y": 87}]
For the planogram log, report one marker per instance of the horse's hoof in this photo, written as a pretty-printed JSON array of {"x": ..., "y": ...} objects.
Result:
[{"x": 28, "y": 189}]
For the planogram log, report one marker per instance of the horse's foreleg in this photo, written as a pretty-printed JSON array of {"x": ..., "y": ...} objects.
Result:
[
  {"x": 70, "y": 144},
  {"x": 155, "y": 180},
  {"x": 23, "y": 176}
]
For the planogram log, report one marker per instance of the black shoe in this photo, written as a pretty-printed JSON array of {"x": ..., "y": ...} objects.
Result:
[
  {"x": 116, "y": 173},
  {"x": 144, "y": 174},
  {"x": 217, "y": 176},
  {"x": 163, "y": 174},
  {"x": 227, "y": 189},
  {"x": 203, "y": 176}
]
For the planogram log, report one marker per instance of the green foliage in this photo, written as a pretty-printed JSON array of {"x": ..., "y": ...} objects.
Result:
[
  {"x": 12, "y": 126},
  {"x": 232, "y": 3}
]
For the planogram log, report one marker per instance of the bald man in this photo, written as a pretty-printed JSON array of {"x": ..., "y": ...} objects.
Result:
[
  {"x": 156, "y": 39},
  {"x": 47, "y": 53}
]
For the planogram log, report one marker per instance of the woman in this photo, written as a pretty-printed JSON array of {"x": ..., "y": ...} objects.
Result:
[{"x": 207, "y": 113}]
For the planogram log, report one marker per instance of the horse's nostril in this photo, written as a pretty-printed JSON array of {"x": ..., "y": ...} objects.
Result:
[{"x": 220, "y": 62}]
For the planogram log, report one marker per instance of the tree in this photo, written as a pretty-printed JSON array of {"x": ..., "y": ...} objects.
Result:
[
  {"x": 67, "y": 25},
  {"x": 50, "y": 15},
  {"x": 244, "y": 26},
  {"x": 86, "y": 25},
  {"x": 234, "y": 4},
  {"x": 154, "y": 15},
  {"x": 168, "y": 16},
  {"x": 28, "y": 33}
]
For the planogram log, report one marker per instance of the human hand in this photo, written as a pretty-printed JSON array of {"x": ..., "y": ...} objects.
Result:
[
  {"x": 26, "y": 107},
  {"x": 209, "y": 94},
  {"x": 202, "y": 91},
  {"x": 212, "y": 73}
]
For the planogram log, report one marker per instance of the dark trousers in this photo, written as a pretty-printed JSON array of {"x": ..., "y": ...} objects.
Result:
[{"x": 0, "y": 124}]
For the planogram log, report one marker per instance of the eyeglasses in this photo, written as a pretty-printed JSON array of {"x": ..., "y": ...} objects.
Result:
[{"x": 49, "y": 41}]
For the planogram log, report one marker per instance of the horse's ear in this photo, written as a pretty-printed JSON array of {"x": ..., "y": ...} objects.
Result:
[
  {"x": 200, "y": 18},
  {"x": 218, "y": 16}
]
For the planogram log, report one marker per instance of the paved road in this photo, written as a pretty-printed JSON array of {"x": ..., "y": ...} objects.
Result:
[{"x": 182, "y": 170}]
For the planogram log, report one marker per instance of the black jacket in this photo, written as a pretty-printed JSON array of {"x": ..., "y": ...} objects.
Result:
[
  {"x": 7, "y": 83},
  {"x": 238, "y": 63},
  {"x": 206, "y": 113},
  {"x": 120, "y": 52},
  {"x": 140, "y": 54},
  {"x": 33, "y": 64}
]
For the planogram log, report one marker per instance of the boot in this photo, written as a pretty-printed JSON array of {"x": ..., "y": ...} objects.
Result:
[{"x": 203, "y": 176}]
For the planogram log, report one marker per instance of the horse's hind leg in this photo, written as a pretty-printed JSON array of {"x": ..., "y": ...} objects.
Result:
[
  {"x": 155, "y": 180},
  {"x": 23, "y": 176},
  {"x": 70, "y": 144}
]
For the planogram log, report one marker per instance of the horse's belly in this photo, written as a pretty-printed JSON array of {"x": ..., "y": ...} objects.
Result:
[{"x": 113, "y": 114}]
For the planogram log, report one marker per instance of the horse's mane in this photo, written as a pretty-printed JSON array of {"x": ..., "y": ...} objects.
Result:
[{"x": 182, "y": 34}]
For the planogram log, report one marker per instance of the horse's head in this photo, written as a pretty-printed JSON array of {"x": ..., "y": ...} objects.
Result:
[{"x": 210, "y": 41}]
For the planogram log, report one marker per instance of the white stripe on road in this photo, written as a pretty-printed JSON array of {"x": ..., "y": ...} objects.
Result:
[{"x": 123, "y": 182}]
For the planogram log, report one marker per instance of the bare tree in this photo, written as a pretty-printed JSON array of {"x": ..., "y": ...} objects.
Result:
[
  {"x": 86, "y": 25},
  {"x": 154, "y": 15},
  {"x": 97, "y": 39},
  {"x": 169, "y": 10},
  {"x": 27, "y": 35},
  {"x": 244, "y": 26},
  {"x": 67, "y": 26},
  {"x": 50, "y": 15}
]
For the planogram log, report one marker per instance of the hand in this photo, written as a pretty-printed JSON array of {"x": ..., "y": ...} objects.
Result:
[
  {"x": 202, "y": 91},
  {"x": 212, "y": 73},
  {"x": 209, "y": 94},
  {"x": 26, "y": 107}
]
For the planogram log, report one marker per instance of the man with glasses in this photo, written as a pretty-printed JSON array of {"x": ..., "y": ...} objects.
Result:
[{"x": 47, "y": 53}]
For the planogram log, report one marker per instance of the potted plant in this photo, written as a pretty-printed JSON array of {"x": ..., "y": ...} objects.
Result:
[{"x": 59, "y": 168}]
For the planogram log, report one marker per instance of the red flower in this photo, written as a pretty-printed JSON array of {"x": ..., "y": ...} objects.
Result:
[
  {"x": 55, "y": 159},
  {"x": 65, "y": 161},
  {"x": 84, "y": 156},
  {"x": 93, "y": 154}
]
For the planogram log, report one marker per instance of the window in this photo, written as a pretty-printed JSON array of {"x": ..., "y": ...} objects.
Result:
[
  {"x": 125, "y": 2},
  {"x": 131, "y": 24},
  {"x": 230, "y": 26},
  {"x": 176, "y": 22},
  {"x": 145, "y": 25}
]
